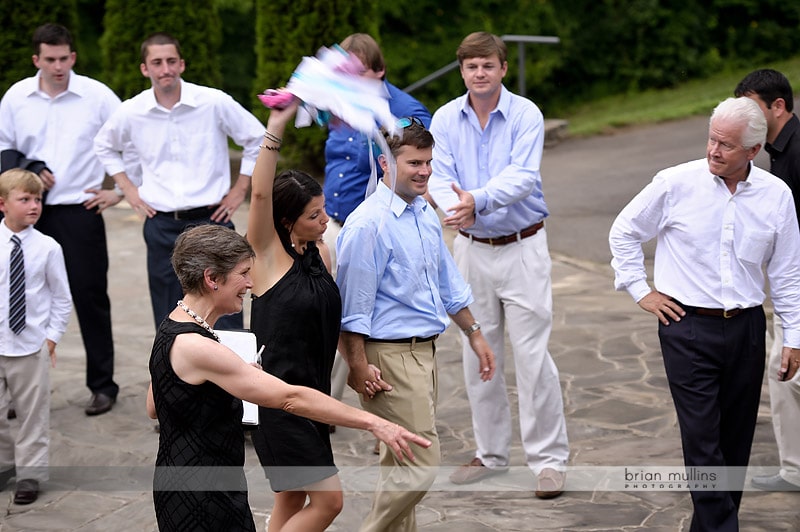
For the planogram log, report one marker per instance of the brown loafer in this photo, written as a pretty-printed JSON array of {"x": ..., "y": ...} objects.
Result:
[
  {"x": 100, "y": 403},
  {"x": 550, "y": 483},
  {"x": 474, "y": 471},
  {"x": 27, "y": 491}
]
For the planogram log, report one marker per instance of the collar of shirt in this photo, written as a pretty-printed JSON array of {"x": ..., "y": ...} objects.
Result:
[
  {"x": 502, "y": 107},
  {"x": 783, "y": 137},
  {"x": 74, "y": 86},
  {"x": 6, "y": 233},
  {"x": 397, "y": 204},
  {"x": 188, "y": 98}
]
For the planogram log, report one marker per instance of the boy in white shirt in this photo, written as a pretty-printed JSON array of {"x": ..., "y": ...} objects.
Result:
[{"x": 35, "y": 305}]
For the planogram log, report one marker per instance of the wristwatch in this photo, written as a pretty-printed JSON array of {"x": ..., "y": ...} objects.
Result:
[{"x": 472, "y": 328}]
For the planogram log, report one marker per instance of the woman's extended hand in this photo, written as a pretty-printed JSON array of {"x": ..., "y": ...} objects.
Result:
[
  {"x": 280, "y": 117},
  {"x": 398, "y": 438}
]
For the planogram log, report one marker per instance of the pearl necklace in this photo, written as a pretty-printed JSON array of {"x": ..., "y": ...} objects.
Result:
[{"x": 198, "y": 319}]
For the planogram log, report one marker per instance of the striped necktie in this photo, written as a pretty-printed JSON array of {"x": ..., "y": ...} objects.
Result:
[{"x": 16, "y": 288}]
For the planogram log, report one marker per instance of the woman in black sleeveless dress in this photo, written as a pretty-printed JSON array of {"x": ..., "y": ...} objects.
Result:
[
  {"x": 197, "y": 385},
  {"x": 199, "y": 429},
  {"x": 296, "y": 314},
  {"x": 297, "y": 321}
]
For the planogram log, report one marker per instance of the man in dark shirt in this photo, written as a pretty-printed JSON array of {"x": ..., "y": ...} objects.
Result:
[{"x": 773, "y": 93}]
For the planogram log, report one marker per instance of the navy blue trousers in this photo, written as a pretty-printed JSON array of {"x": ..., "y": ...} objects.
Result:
[
  {"x": 715, "y": 368},
  {"x": 82, "y": 236}
]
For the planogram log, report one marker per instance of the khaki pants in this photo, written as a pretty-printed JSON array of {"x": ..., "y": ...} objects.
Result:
[
  {"x": 411, "y": 370},
  {"x": 784, "y": 400},
  {"x": 26, "y": 381}
]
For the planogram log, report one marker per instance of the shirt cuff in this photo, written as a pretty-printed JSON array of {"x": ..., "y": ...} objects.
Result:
[
  {"x": 480, "y": 197},
  {"x": 356, "y": 325},
  {"x": 791, "y": 339},
  {"x": 639, "y": 289},
  {"x": 247, "y": 167},
  {"x": 54, "y": 335}
]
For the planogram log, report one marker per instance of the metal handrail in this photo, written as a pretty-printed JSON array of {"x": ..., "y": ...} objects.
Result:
[{"x": 521, "y": 40}]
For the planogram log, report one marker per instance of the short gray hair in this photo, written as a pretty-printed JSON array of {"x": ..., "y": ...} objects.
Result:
[
  {"x": 746, "y": 112},
  {"x": 209, "y": 246}
]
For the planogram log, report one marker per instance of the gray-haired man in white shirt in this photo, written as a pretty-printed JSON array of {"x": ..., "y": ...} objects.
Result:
[{"x": 720, "y": 223}]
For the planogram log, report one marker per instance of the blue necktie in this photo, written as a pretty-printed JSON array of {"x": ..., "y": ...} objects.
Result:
[{"x": 16, "y": 288}]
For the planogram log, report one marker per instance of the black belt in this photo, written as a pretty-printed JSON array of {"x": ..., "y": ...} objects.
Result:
[
  {"x": 717, "y": 312},
  {"x": 507, "y": 239},
  {"x": 412, "y": 340},
  {"x": 190, "y": 214},
  {"x": 70, "y": 207}
]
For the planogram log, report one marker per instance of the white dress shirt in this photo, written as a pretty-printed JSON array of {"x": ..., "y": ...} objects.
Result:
[
  {"x": 59, "y": 131},
  {"x": 713, "y": 246},
  {"x": 183, "y": 151},
  {"x": 48, "y": 303}
]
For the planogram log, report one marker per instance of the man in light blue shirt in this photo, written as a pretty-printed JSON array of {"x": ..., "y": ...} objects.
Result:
[
  {"x": 398, "y": 284},
  {"x": 348, "y": 161},
  {"x": 486, "y": 177}
]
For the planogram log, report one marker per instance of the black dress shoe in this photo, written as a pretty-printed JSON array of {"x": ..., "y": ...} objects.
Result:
[
  {"x": 27, "y": 491},
  {"x": 773, "y": 483},
  {"x": 100, "y": 403},
  {"x": 6, "y": 475}
]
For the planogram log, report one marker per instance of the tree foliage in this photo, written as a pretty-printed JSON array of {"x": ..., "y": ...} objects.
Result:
[
  {"x": 286, "y": 31},
  {"x": 237, "y": 52},
  {"x": 18, "y": 20},
  {"x": 421, "y": 37},
  {"x": 195, "y": 23},
  {"x": 607, "y": 46}
]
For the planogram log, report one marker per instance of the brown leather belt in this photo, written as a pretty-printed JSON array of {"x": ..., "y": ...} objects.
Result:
[
  {"x": 717, "y": 312},
  {"x": 508, "y": 239}
]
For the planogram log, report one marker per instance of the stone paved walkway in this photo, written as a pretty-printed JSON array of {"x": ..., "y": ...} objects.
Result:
[{"x": 618, "y": 409}]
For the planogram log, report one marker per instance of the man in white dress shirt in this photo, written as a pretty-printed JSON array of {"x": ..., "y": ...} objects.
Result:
[
  {"x": 49, "y": 120},
  {"x": 179, "y": 131},
  {"x": 720, "y": 223}
]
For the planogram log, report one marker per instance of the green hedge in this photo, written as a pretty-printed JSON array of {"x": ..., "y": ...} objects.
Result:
[
  {"x": 16, "y": 42},
  {"x": 288, "y": 31},
  {"x": 195, "y": 23},
  {"x": 607, "y": 46}
]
